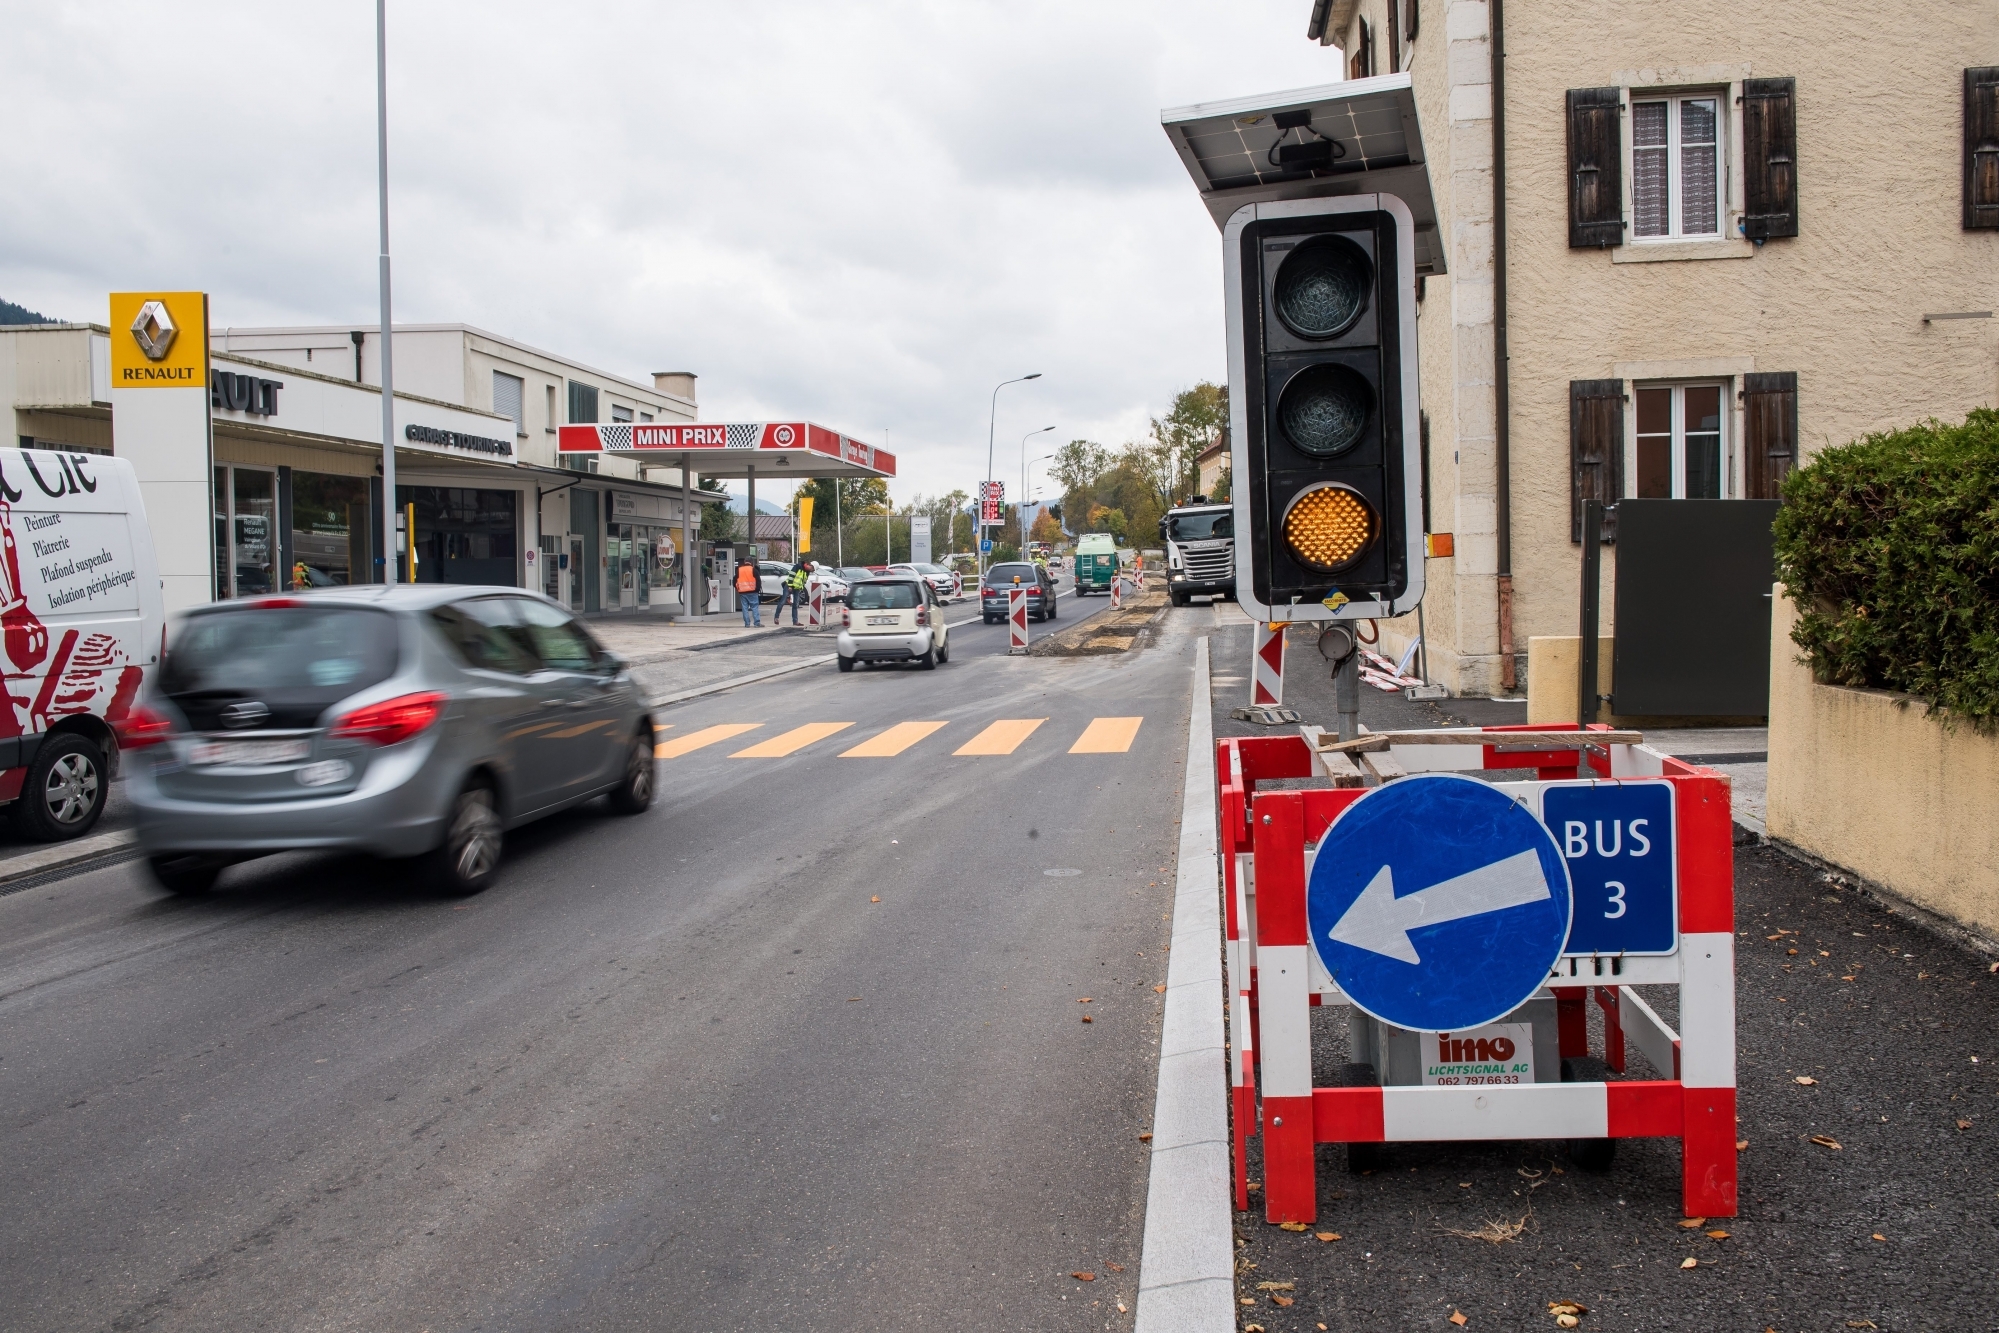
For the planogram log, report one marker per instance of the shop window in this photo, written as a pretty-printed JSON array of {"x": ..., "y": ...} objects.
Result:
[
  {"x": 246, "y": 511},
  {"x": 1678, "y": 448},
  {"x": 464, "y": 535},
  {"x": 329, "y": 530}
]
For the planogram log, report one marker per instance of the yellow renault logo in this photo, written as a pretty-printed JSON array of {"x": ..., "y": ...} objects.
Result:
[{"x": 154, "y": 330}]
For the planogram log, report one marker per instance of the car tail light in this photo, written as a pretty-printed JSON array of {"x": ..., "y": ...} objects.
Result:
[
  {"x": 923, "y": 615},
  {"x": 142, "y": 727},
  {"x": 278, "y": 603},
  {"x": 393, "y": 720},
  {"x": 846, "y": 617}
]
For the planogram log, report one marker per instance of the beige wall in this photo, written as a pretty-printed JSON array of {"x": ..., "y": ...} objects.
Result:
[
  {"x": 1866, "y": 780},
  {"x": 1879, "y": 143}
]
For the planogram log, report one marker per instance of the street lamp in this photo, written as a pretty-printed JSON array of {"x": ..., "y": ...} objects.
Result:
[
  {"x": 1023, "y": 481},
  {"x": 991, "y": 421}
]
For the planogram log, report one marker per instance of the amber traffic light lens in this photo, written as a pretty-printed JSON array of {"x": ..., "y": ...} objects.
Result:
[
  {"x": 1322, "y": 286},
  {"x": 1329, "y": 526},
  {"x": 1324, "y": 409}
]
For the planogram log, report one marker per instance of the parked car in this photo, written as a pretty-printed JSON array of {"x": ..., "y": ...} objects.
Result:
[
  {"x": 80, "y": 622},
  {"x": 771, "y": 575},
  {"x": 400, "y": 721},
  {"x": 1000, "y": 579},
  {"x": 948, "y": 585},
  {"x": 855, "y": 573},
  {"x": 827, "y": 578},
  {"x": 893, "y": 619}
]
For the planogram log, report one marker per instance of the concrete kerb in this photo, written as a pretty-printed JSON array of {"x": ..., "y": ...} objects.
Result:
[
  {"x": 1187, "y": 1265},
  {"x": 61, "y": 854}
]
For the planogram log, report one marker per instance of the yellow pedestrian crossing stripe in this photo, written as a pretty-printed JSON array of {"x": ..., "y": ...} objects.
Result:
[
  {"x": 893, "y": 741},
  {"x": 1107, "y": 735},
  {"x": 694, "y": 740},
  {"x": 1002, "y": 737},
  {"x": 1103, "y": 735},
  {"x": 796, "y": 739}
]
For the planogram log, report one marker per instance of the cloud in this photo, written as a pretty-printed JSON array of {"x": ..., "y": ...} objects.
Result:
[{"x": 863, "y": 214}]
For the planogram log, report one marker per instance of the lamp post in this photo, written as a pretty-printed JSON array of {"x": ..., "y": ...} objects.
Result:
[
  {"x": 389, "y": 557},
  {"x": 991, "y": 422},
  {"x": 1024, "y": 465}
]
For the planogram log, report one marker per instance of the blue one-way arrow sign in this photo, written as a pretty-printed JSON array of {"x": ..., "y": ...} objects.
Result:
[{"x": 1438, "y": 903}]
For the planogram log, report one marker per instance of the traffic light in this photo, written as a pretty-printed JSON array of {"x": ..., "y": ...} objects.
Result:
[{"x": 1322, "y": 394}]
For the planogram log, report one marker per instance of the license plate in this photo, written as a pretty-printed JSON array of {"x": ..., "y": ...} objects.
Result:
[
  {"x": 883, "y": 620},
  {"x": 248, "y": 752}
]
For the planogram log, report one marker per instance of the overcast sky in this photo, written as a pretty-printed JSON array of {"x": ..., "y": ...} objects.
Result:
[{"x": 862, "y": 214}]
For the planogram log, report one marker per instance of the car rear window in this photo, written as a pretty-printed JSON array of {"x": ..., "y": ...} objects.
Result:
[
  {"x": 1004, "y": 575},
  {"x": 296, "y": 661},
  {"x": 884, "y": 597}
]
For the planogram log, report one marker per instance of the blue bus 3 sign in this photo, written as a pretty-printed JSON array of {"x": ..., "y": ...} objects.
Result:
[{"x": 1618, "y": 841}]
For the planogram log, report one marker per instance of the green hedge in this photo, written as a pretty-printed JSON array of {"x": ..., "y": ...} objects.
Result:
[{"x": 1890, "y": 548}]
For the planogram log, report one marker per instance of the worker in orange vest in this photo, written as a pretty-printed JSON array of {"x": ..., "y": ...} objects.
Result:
[{"x": 749, "y": 594}]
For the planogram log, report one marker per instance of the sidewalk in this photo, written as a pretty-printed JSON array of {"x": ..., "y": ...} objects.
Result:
[{"x": 669, "y": 657}]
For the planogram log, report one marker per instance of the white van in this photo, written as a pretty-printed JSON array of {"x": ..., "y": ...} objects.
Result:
[{"x": 80, "y": 622}]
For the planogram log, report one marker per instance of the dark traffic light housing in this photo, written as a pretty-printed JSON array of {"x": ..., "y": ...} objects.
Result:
[{"x": 1322, "y": 394}]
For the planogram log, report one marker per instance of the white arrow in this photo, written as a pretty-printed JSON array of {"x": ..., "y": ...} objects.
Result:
[{"x": 1380, "y": 922}]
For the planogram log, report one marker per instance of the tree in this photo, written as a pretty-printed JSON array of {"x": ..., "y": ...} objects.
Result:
[
  {"x": 1045, "y": 529},
  {"x": 1169, "y": 459},
  {"x": 1105, "y": 519}
]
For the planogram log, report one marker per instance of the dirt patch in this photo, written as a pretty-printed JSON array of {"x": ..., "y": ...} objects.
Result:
[{"x": 1132, "y": 626}]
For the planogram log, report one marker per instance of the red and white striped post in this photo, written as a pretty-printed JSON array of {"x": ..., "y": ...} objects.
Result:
[
  {"x": 1016, "y": 621},
  {"x": 1266, "y": 667},
  {"x": 1117, "y": 592},
  {"x": 815, "y": 607}
]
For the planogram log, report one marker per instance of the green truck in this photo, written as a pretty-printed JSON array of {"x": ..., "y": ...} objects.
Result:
[{"x": 1096, "y": 562}]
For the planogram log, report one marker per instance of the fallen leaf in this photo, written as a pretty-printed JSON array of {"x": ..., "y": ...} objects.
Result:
[
  {"x": 1327, "y": 1236},
  {"x": 1567, "y": 1307},
  {"x": 1277, "y": 1286},
  {"x": 1689, "y": 1223},
  {"x": 1115, "y": 1268},
  {"x": 1846, "y": 978},
  {"x": 1566, "y": 1321},
  {"x": 1690, "y": 1263},
  {"x": 1291, "y": 1226},
  {"x": 1498, "y": 1230},
  {"x": 1249, "y": 1300},
  {"x": 1251, "y": 1328},
  {"x": 1861, "y": 1323},
  {"x": 1964, "y": 1124},
  {"x": 1717, "y": 1235},
  {"x": 1458, "y": 1318},
  {"x": 1878, "y": 1236},
  {"x": 1283, "y": 1300},
  {"x": 1088, "y": 1019},
  {"x": 1254, "y": 1186},
  {"x": 1087, "y": 999},
  {"x": 1145, "y": 1137},
  {"x": 1159, "y": 990},
  {"x": 1742, "y": 1145},
  {"x": 1825, "y": 1142},
  {"x": 1464, "y": 1184},
  {"x": 1120, "y": 1307},
  {"x": 1084, "y": 1277},
  {"x": 853, "y": 999},
  {"x": 1806, "y": 1079},
  {"x": 877, "y": 898},
  {"x": 1789, "y": 951}
]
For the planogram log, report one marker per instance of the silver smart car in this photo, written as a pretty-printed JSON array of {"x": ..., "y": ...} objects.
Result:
[{"x": 400, "y": 721}]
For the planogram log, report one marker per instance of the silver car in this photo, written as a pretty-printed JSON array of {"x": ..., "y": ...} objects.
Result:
[{"x": 407, "y": 721}]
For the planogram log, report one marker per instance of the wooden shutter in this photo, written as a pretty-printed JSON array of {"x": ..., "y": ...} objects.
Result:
[
  {"x": 1596, "y": 451},
  {"x": 1981, "y": 148},
  {"x": 1769, "y": 431},
  {"x": 1596, "y": 169},
  {"x": 1415, "y": 20},
  {"x": 1769, "y": 158}
]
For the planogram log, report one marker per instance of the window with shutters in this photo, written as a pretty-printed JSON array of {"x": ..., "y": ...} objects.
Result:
[
  {"x": 1981, "y": 148},
  {"x": 1679, "y": 180},
  {"x": 619, "y": 412},
  {"x": 1361, "y": 64},
  {"x": 1596, "y": 451},
  {"x": 1679, "y": 449},
  {"x": 507, "y": 392},
  {"x": 582, "y": 403}
]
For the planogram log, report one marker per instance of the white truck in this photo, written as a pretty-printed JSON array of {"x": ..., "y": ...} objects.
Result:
[{"x": 1200, "y": 550}]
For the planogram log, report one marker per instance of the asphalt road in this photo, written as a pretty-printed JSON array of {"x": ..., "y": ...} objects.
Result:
[
  {"x": 681, "y": 1070},
  {"x": 1855, "y": 1027}
]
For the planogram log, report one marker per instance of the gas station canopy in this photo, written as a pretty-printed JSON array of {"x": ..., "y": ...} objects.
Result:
[
  {"x": 731, "y": 449},
  {"x": 1357, "y": 137}
]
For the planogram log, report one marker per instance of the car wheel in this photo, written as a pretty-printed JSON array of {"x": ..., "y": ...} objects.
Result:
[
  {"x": 633, "y": 795},
  {"x": 185, "y": 872},
  {"x": 1054, "y": 607},
  {"x": 64, "y": 791},
  {"x": 1178, "y": 598},
  {"x": 470, "y": 854},
  {"x": 846, "y": 664},
  {"x": 928, "y": 662},
  {"x": 944, "y": 651}
]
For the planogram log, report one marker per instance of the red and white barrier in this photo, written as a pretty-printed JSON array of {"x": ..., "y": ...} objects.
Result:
[
  {"x": 1266, "y": 666},
  {"x": 1117, "y": 592},
  {"x": 815, "y": 607},
  {"x": 1016, "y": 621},
  {"x": 1277, "y": 979}
]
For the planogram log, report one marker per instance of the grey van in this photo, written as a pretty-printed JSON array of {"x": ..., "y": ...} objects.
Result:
[{"x": 407, "y": 721}]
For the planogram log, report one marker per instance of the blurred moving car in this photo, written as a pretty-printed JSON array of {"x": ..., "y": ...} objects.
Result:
[
  {"x": 400, "y": 721},
  {"x": 948, "y": 585},
  {"x": 1000, "y": 579},
  {"x": 892, "y": 619},
  {"x": 827, "y": 578}
]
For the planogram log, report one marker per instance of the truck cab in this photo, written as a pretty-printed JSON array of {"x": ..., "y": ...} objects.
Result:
[
  {"x": 1200, "y": 550},
  {"x": 1096, "y": 563}
]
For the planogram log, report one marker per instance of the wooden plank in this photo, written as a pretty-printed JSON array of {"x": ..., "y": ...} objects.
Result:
[
  {"x": 1340, "y": 770},
  {"x": 1504, "y": 741},
  {"x": 1383, "y": 766}
]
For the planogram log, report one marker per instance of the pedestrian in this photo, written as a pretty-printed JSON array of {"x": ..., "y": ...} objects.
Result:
[
  {"x": 794, "y": 593},
  {"x": 749, "y": 594}
]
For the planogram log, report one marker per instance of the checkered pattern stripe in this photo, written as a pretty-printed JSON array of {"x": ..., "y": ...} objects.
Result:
[
  {"x": 615, "y": 439},
  {"x": 745, "y": 435}
]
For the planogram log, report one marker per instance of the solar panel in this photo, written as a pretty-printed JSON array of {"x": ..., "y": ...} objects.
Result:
[{"x": 1235, "y": 150}]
